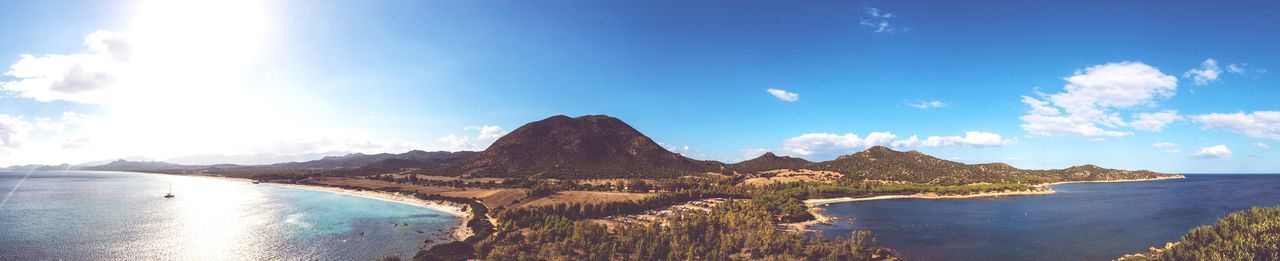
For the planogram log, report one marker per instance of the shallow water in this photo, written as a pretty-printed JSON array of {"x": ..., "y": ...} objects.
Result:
[
  {"x": 1083, "y": 221},
  {"x": 82, "y": 215}
]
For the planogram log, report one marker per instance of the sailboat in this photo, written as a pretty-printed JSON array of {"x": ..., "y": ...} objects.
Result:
[{"x": 170, "y": 194}]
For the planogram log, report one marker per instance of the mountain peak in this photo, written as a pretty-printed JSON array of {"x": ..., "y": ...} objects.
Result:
[
  {"x": 588, "y": 146},
  {"x": 878, "y": 148},
  {"x": 876, "y": 152},
  {"x": 770, "y": 161}
]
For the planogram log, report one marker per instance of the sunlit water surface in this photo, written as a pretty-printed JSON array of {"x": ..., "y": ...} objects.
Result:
[
  {"x": 81, "y": 215},
  {"x": 1084, "y": 221}
]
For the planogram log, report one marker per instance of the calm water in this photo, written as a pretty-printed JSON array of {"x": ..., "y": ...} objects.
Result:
[
  {"x": 78, "y": 215},
  {"x": 1084, "y": 221}
]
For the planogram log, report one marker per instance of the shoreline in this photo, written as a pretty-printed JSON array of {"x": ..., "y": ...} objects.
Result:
[
  {"x": 1043, "y": 189},
  {"x": 816, "y": 205},
  {"x": 460, "y": 233},
  {"x": 819, "y": 218},
  {"x": 826, "y": 201},
  {"x": 1177, "y": 176}
]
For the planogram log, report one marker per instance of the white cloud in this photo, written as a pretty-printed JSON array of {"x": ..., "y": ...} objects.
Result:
[
  {"x": 60, "y": 124},
  {"x": 1091, "y": 94},
  {"x": 76, "y": 77},
  {"x": 1262, "y": 145},
  {"x": 878, "y": 21},
  {"x": 682, "y": 150},
  {"x": 1213, "y": 152},
  {"x": 1236, "y": 69},
  {"x": 488, "y": 132},
  {"x": 1043, "y": 120},
  {"x": 1258, "y": 124},
  {"x": 456, "y": 143},
  {"x": 1167, "y": 147},
  {"x": 485, "y": 135},
  {"x": 784, "y": 95},
  {"x": 925, "y": 105},
  {"x": 977, "y": 139},
  {"x": 1154, "y": 121},
  {"x": 13, "y": 131},
  {"x": 1207, "y": 73},
  {"x": 827, "y": 145}
]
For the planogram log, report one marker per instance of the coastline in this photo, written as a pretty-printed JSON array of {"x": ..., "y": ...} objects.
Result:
[
  {"x": 815, "y": 205},
  {"x": 1176, "y": 176},
  {"x": 819, "y": 218},
  {"x": 825, "y": 201},
  {"x": 1043, "y": 189},
  {"x": 460, "y": 233}
]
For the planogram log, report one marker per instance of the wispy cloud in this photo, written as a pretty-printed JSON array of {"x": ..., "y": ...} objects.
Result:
[
  {"x": 485, "y": 135},
  {"x": 1154, "y": 121},
  {"x": 1167, "y": 147},
  {"x": 1258, "y": 124},
  {"x": 878, "y": 21},
  {"x": 13, "y": 130},
  {"x": 1207, "y": 73},
  {"x": 784, "y": 95},
  {"x": 1243, "y": 69},
  {"x": 925, "y": 105}
]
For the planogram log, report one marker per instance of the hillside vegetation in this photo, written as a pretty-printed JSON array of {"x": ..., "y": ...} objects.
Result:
[{"x": 1253, "y": 234}]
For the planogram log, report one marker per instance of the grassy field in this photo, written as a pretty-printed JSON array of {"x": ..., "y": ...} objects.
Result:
[
  {"x": 589, "y": 197},
  {"x": 787, "y": 176}
]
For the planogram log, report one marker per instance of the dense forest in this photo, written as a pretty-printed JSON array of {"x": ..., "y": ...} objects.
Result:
[{"x": 1252, "y": 234}]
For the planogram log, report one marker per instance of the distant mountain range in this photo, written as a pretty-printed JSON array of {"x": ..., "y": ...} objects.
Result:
[
  {"x": 251, "y": 159},
  {"x": 598, "y": 146}
]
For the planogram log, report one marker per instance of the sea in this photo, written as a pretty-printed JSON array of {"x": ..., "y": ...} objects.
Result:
[
  {"x": 1082, "y": 221},
  {"x": 89, "y": 215}
]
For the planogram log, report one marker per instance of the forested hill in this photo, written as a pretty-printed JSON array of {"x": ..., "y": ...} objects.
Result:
[
  {"x": 1253, "y": 234},
  {"x": 355, "y": 164},
  {"x": 769, "y": 161},
  {"x": 881, "y": 163}
]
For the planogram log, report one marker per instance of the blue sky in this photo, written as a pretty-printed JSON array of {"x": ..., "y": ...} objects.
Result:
[{"x": 1121, "y": 84}]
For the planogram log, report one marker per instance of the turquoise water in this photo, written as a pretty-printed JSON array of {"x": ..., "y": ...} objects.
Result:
[
  {"x": 1083, "y": 221},
  {"x": 81, "y": 215}
]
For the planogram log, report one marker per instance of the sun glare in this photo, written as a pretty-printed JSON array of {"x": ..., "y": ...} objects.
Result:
[{"x": 186, "y": 68}]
